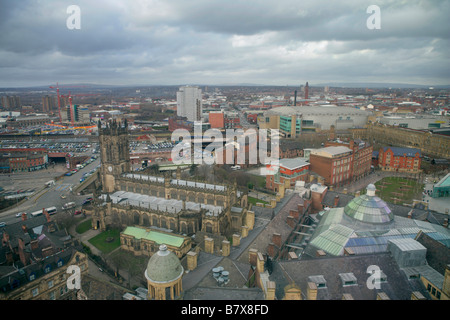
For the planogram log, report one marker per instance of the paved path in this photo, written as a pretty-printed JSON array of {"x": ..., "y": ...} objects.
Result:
[
  {"x": 85, "y": 236},
  {"x": 93, "y": 268}
]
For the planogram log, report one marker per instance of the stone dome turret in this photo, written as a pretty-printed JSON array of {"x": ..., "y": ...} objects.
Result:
[{"x": 163, "y": 266}]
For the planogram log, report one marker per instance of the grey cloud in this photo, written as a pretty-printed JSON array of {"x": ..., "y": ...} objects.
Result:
[{"x": 202, "y": 41}]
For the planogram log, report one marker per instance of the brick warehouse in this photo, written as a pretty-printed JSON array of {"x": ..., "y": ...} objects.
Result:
[{"x": 334, "y": 164}]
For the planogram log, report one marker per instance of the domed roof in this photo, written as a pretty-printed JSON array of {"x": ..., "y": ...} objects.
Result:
[
  {"x": 163, "y": 266},
  {"x": 369, "y": 208}
]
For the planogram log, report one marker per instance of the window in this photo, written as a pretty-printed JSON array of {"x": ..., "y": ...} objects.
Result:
[
  {"x": 32, "y": 276},
  {"x": 52, "y": 296},
  {"x": 47, "y": 268},
  {"x": 35, "y": 292},
  {"x": 50, "y": 284},
  {"x": 15, "y": 284},
  {"x": 63, "y": 290},
  {"x": 60, "y": 263},
  {"x": 348, "y": 279}
]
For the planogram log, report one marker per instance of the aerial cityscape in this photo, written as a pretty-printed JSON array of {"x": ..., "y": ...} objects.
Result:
[{"x": 229, "y": 151}]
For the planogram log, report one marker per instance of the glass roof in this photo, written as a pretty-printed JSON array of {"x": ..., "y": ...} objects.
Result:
[
  {"x": 369, "y": 209},
  {"x": 366, "y": 225}
]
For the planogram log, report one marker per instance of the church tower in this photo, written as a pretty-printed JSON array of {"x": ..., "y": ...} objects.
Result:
[{"x": 114, "y": 152}]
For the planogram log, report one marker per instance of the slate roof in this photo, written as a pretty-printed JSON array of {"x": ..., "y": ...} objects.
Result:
[
  {"x": 10, "y": 280},
  {"x": 221, "y": 293},
  {"x": 410, "y": 152},
  {"x": 207, "y": 288},
  {"x": 438, "y": 255},
  {"x": 276, "y": 225},
  {"x": 397, "y": 286},
  {"x": 289, "y": 145},
  {"x": 344, "y": 199}
]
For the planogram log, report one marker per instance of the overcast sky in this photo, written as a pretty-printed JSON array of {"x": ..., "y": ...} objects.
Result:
[{"x": 274, "y": 42}]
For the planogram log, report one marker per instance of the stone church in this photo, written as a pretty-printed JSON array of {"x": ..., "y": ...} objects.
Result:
[{"x": 164, "y": 204}]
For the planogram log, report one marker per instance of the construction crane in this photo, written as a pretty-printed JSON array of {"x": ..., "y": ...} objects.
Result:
[{"x": 58, "y": 96}]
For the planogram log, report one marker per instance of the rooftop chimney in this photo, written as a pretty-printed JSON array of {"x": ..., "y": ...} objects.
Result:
[
  {"x": 336, "y": 201},
  {"x": 276, "y": 239},
  {"x": 311, "y": 291}
]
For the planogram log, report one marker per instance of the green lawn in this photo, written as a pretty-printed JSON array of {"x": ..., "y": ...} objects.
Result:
[
  {"x": 99, "y": 241},
  {"x": 399, "y": 190},
  {"x": 84, "y": 226},
  {"x": 254, "y": 201}
]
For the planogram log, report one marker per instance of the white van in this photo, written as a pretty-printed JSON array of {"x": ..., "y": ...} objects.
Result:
[{"x": 69, "y": 205}]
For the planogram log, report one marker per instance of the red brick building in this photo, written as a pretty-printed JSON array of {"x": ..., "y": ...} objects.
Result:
[
  {"x": 334, "y": 164},
  {"x": 362, "y": 156},
  {"x": 232, "y": 122},
  {"x": 400, "y": 159},
  {"x": 290, "y": 149},
  {"x": 23, "y": 159},
  {"x": 219, "y": 120},
  {"x": 216, "y": 120}
]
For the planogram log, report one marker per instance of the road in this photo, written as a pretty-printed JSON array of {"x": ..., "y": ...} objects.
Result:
[{"x": 48, "y": 197}]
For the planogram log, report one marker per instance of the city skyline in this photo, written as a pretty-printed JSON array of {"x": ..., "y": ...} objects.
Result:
[{"x": 217, "y": 43}]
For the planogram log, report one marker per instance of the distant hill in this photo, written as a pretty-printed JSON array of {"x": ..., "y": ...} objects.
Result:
[
  {"x": 378, "y": 85},
  {"x": 89, "y": 86}
]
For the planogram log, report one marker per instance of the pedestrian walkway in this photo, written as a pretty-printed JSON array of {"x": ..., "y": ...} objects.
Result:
[{"x": 85, "y": 236}]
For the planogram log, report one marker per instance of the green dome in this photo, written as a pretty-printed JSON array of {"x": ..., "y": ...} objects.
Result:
[
  {"x": 369, "y": 208},
  {"x": 163, "y": 266}
]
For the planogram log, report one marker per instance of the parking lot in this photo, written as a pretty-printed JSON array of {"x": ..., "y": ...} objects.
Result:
[
  {"x": 138, "y": 147},
  {"x": 24, "y": 182},
  {"x": 52, "y": 145}
]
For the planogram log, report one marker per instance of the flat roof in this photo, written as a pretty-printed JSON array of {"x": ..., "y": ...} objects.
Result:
[
  {"x": 152, "y": 235},
  {"x": 293, "y": 163},
  {"x": 331, "y": 151}
]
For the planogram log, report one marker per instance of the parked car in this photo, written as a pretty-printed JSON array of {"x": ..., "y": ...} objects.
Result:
[
  {"x": 88, "y": 200},
  {"x": 77, "y": 212},
  {"x": 18, "y": 215}
]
